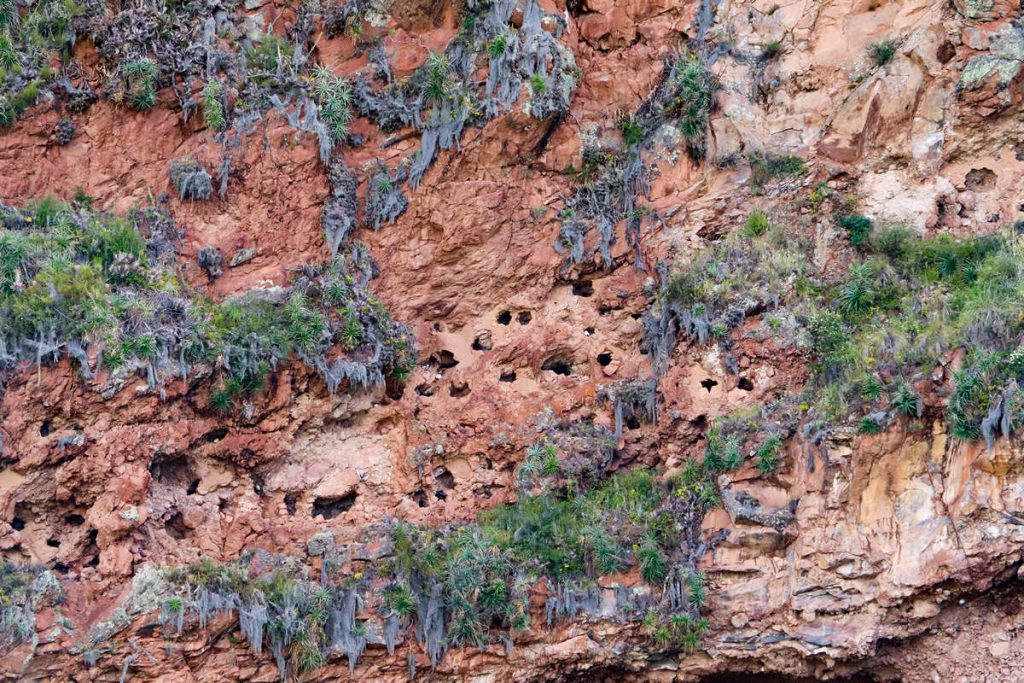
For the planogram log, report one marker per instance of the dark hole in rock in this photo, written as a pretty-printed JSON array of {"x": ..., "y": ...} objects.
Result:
[
  {"x": 508, "y": 376},
  {"x": 576, "y": 8},
  {"x": 980, "y": 179},
  {"x": 603, "y": 359},
  {"x": 524, "y": 317},
  {"x": 45, "y": 428},
  {"x": 257, "y": 484},
  {"x": 215, "y": 434},
  {"x": 290, "y": 499},
  {"x": 223, "y": 504},
  {"x": 482, "y": 341},
  {"x": 444, "y": 477},
  {"x": 583, "y": 288},
  {"x": 330, "y": 507},
  {"x": 425, "y": 389},
  {"x": 175, "y": 472},
  {"x": 192, "y": 488},
  {"x": 700, "y": 422},
  {"x": 504, "y": 318},
  {"x": 589, "y": 330},
  {"x": 945, "y": 52},
  {"x": 635, "y": 316},
  {"x": 421, "y": 498},
  {"x": 482, "y": 492},
  {"x": 59, "y": 567},
  {"x": 53, "y": 542},
  {"x": 446, "y": 359},
  {"x": 458, "y": 389},
  {"x": 175, "y": 526},
  {"x": 93, "y": 535},
  {"x": 438, "y": 327},
  {"x": 604, "y": 310},
  {"x": 557, "y": 365},
  {"x": 440, "y": 495},
  {"x": 94, "y": 562},
  {"x": 708, "y": 383},
  {"x": 394, "y": 389},
  {"x": 148, "y": 629},
  {"x": 74, "y": 519},
  {"x": 745, "y": 384},
  {"x": 632, "y": 422}
]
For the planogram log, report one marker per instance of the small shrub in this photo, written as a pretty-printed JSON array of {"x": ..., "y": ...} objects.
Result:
[
  {"x": 334, "y": 96},
  {"x": 905, "y": 401},
  {"x": 765, "y": 167},
  {"x": 859, "y": 228},
  {"x": 868, "y": 425},
  {"x": 828, "y": 335},
  {"x": 882, "y": 53},
  {"x": 140, "y": 83},
  {"x": 213, "y": 107},
  {"x": 768, "y": 454},
  {"x": 771, "y": 50},
  {"x": 757, "y": 224}
]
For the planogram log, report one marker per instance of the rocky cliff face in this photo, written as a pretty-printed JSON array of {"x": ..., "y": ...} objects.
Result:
[{"x": 878, "y": 556}]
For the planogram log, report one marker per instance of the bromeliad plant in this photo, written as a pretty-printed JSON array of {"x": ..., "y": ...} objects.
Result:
[{"x": 102, "y": 290}]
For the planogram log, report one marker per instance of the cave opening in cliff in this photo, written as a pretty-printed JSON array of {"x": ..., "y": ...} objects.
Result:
[
  {"x": 604, "y": 359},
  {"x": 524, "y": 317},
  {"x": 745, "y": 384},
  {"x": 584, "y": 288},
  {"x": 329, "y": 507},
  {"x": 504, "y": 318},
  {"x": 708, "y": 384},
  {"x": 173, "y": 472},
  {"x": 508, "y": 376},
  {"x": 45, "y": 428},
  {"x": 458, "y": 389},
  {"x": 558, "y": 365}
]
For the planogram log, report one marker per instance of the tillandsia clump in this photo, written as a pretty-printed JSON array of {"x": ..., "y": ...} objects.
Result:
[
  {"x": 23, "y": 590},
  {"x": 102, "y": 289},
  {"x": 613, "y": 184},
  {"x": 875, "y": 332},
  {"x": 469, "y": 584}
]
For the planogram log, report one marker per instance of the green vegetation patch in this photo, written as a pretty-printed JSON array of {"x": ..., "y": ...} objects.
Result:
[{"x": 102, "y": 289}]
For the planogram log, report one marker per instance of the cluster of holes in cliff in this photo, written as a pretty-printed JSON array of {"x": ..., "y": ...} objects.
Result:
[
  {"x": 604, "y": 359},
  {"x": 175, "y": 526},
  {"x": 708, "y": 384},
  {"x": 507, "y": 376},
  {"x": 583, "y": 288},
  {"x": 745, "y": 384},
  {"x": 329, "y": 507},
  {"x": 522, "y": 317},
  {"x": 558, "y": 364}
]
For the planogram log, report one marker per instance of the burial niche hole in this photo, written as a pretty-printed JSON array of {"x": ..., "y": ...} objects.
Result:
[
  {"x": 524, "y": 317},
  {"x": 583, "y": 288},
  {"x": 558, "y": 365},
  {"x": 604, "y": 359},
  {"x": 745, "y": 384},
  {"x": 175, "y": 526},
  {"x": 290, "y": 499},
  {"x": 17, "y": 524},
  {"x": 330, "y": 507},
  {"x": 458, "y": 389},
  {"x": 74, "y": 519},
  {"x": 708, "y": 384},
  {"x": 482, "y": 341},
  {"x": 45, "y": 428},
  {"x": 504, "y": 318},
  {"x": 53, "y": 542},
  {"x": 446, "y": 359},
  {"x": 425, "y": 389},
  {"x": 508, "y": 376}
]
